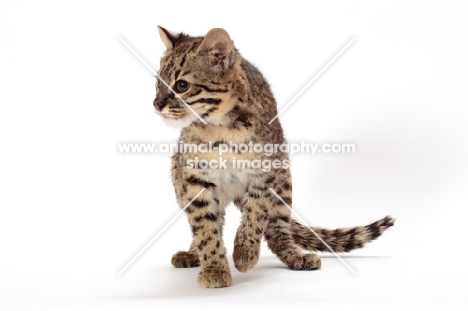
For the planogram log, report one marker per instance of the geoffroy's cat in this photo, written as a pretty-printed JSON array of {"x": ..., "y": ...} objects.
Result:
[{"x": 217, "y": 96}]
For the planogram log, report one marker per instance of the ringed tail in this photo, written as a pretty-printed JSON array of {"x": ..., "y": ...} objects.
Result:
[{"x": 341, "y": 239}]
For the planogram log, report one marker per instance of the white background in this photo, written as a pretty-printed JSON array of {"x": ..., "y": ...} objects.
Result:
[{"x": 74, "y": 211}]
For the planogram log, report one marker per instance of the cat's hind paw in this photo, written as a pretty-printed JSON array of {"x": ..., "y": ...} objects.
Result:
[
  {"x": 185, "y": 260},
  {"x": 304, "y": 262},
  {"x": 214, "y": 278}
]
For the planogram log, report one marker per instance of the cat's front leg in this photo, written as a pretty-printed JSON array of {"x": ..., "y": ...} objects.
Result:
[
  {"x": 254, "y": 208},
  {"x": 206, "y": 221},
  {"x": 189, "y": 259}
]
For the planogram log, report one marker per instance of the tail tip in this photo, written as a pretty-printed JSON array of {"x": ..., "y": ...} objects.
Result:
[{"x": 388, "y": 221}]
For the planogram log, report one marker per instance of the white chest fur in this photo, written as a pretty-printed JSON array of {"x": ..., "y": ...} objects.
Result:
[{"x": 231, "y": 183}]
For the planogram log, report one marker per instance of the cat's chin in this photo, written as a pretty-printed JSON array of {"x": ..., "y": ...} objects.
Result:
[{"x": 178, "y": 123}]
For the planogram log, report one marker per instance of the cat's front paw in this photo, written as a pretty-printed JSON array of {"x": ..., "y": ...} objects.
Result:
[
  {"x": 214, "y": 278},
  {"x": 304, "y": 262},
  {"x": 185, "y": 260},
  {"x": 245, "y": 257}
]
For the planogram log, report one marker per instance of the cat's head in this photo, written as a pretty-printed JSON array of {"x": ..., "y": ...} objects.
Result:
[{"x": 200, "y": 72}]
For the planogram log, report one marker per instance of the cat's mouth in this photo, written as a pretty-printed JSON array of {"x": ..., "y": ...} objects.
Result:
[
  {"x": 177, "y": 120},
  {"x": 173, "y": 116}
]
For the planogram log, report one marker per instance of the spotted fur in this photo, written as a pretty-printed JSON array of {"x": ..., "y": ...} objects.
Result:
[
  {"x": 236, "y": 103},
  {"x": 340, "y": 240}
]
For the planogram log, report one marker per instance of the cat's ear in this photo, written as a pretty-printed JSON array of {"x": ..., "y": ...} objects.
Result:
[
  {"x": 166, "y": 37},
  {"x": 216, "y": 50}
]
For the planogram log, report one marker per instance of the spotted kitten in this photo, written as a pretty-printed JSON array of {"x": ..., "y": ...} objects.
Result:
[{"x": 236, "y": 102}]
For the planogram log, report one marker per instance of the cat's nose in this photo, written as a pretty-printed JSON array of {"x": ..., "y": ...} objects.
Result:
[{"x": 159, "y": 104}]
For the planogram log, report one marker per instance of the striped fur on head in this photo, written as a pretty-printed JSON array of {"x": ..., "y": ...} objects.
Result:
[{"x": 207, "y": 65}]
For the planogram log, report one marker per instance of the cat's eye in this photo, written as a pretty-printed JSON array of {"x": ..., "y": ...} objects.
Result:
[{"x": 181, "y": 86}]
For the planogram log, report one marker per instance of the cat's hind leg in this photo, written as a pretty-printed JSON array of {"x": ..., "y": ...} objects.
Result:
[
  {"x": 280, "y": 241},
  {"x": 186, "y": 259},
  {"x": 278, "y": 230}
]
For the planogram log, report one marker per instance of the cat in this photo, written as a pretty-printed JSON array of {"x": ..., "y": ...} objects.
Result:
[{"x": 228, "y": 100}]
